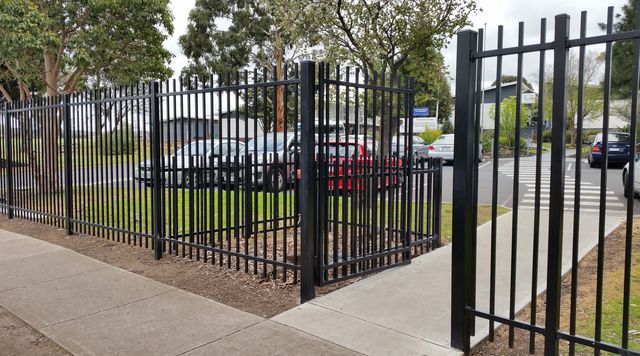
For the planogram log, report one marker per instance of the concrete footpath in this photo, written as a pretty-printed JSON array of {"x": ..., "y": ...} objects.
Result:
[
  {"x": 406, "y": 310},
  {"x": 92, "y": 308}
]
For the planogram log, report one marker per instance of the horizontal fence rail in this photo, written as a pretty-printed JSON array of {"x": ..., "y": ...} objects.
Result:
[
  {"x": 209, "y": 168},
  {"x": 560, "y": 334}
]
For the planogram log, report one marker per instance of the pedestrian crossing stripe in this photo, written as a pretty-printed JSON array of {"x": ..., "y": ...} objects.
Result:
[{"x": 589, "y": 192}]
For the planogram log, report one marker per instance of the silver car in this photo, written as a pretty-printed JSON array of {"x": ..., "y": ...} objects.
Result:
[
  {"x": 272, "y": 157},
  {"x": 443, "y": 147},
  {"x": 636, "y": 183},
  {"x": 188, "y": 166}
]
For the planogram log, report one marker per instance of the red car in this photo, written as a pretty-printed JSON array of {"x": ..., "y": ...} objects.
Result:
[{"x": 359, "y": 158}]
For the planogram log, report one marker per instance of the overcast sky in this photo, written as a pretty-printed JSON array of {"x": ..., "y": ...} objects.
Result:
[{"x": 495, "y": 12}]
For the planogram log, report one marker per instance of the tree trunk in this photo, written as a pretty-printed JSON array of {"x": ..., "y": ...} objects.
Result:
[
  {"x": 387, "y": 123},
  {"x": 279, "y": 57},
  {"x": 51, "y": 121}
]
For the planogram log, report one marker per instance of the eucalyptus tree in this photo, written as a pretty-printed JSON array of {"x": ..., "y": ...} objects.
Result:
[{"x": 56, "y": 47}]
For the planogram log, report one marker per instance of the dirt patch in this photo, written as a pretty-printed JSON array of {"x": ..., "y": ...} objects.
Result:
[
  {"x": 253, "y": 294},
  {"x": 18, "y": 338},
  {"x": 613, "y": 263}
]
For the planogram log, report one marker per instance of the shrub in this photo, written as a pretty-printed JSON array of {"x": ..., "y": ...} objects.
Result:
[
  {"x": 430, "y": 135},
  {"x": 507, "y": 145},
  {"x": 487, "y": 142},
  {"x": 447, "y": 127},
  {"x": 121, "y": 141},
  {"x": 546, "y": 136}
]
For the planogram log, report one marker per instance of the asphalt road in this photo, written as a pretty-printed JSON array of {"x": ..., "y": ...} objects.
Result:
[{"x": 590, "y": 185}]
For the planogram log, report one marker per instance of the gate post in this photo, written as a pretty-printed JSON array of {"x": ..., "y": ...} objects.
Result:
[
  {"x": 556, "y": 203},
  {"x": 9, "y": 153},
  {"x": 462, "y": 266},
  {"x": 308, "y": 198},
  {"x": 155, "y": 170},
  {"x": 68, "y": 172}
]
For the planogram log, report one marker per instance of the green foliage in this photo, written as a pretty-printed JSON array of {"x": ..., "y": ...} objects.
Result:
[
  {"x": 429, "y": 135},
  {"x": 546, "y": 136},
  {"x": 261, "y": 33},
  {"x": 622, "y": 52},
  {"x": 120, "y": 141},
  {"x": 508, "y": 119},
  {"x": 508, "y": 144},
  {"x": 447, "y": 127},
  {"x": 486, "y": 140},
  {"x": 60, "y": 46},
  {"x": 432, "y": 81}
]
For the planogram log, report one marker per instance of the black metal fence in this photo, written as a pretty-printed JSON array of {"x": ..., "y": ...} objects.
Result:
[
  {"x": 227, "y": 188},
  {"x": 471, "y": 55}
]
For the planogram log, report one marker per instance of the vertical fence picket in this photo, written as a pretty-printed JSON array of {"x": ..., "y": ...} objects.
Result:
[{"x": 308, "y": 181}]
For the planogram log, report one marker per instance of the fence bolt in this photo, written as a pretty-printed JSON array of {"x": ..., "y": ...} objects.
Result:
[
  {"x": 68, "y": 169},
  {"x": 308, "y": 198}
]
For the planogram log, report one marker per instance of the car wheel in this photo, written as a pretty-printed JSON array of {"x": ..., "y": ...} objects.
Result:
[
  {"x": 592, "y": 163},
  {"x": 276, "y": 180},
  {"x": 186, "y": 180}
]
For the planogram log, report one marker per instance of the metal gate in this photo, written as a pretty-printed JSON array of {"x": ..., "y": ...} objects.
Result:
[
  {"x": 374, "y": 198},
  {"x": 471, "y": 55}
]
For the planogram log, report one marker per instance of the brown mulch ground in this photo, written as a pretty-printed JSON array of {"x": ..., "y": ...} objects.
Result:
[
  {"x": 18, "y": 338},
  {"x": 614, "y": 261}
]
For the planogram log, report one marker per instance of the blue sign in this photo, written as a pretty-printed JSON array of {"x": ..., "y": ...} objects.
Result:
[{"x": 421, "y": 111}]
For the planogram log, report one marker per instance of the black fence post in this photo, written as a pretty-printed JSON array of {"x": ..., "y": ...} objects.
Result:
[
  {"x": 462, "y": 268},
  {"x": 556, "y": 191},
  {"x": 68, "y": 164},
  {"x": 308, "y": 197},
  {"x": 155, "y": 169},
  {"x": 437, "y": 202},
  {"x": 9, "y": 150}
]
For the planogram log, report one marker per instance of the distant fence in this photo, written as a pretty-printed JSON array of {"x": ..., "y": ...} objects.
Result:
[{"x": 229, "y": 155}]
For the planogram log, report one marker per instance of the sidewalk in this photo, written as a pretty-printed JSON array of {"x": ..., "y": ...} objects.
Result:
[
  {"x": 92, "y": 308},
  {"x": 407, "y": 310}
]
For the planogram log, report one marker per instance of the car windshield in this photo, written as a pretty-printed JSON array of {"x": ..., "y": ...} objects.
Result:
[
  {"x": 195, "y": 148},
  {"x": 267, "y": 143},
  {"x": 444, "y": 139},
  {"x": 615, "y": 137},
  {"x": 228, "y": 147}
]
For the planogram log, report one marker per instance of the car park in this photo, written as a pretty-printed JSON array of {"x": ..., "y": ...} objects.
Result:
[{"x": 188, "y": 166}]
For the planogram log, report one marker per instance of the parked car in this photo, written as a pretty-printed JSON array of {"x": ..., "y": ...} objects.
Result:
[
  {"x": 355, "y": 153},
  {"x": 443, "y": 147},
  {"x": 188, "y": 166},
  {"x": 618, "y": 149},
  {"x": 636, "y": 179},
  {"x": 420, "y": 147},
  {"x": 272, "y": 158}
]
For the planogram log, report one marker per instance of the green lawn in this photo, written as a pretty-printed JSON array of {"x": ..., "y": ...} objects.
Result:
[
  {"x": 132, "y": 208},
  {"x": 484, "y": 215}
]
